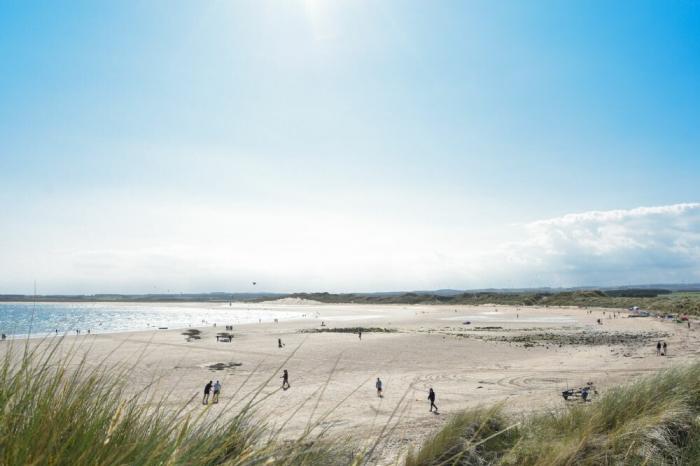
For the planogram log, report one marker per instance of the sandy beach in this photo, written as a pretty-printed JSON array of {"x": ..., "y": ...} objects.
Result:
[{"x": 524, "y": 356}]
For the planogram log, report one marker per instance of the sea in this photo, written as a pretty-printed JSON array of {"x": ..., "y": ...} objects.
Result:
[{"x": 20, "y": 320}]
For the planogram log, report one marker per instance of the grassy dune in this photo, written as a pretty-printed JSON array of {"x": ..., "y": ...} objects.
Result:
[
  {"x": 659, "y": 300},
  {"x": 653, "y": 421},
  {"x": 57, "y": 409}
]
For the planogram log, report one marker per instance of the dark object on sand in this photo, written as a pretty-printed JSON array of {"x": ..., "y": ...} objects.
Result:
[
  {"x": 192, "y": 334},
  {"x": 220, "y": 366},
  {"x": 349, "y": 330},
  {"x": 224, "y": 337},
  {"x": 583, "y": 392}
]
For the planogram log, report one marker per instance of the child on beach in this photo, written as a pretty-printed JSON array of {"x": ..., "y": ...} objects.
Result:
[{"x": 217, "y": 391}]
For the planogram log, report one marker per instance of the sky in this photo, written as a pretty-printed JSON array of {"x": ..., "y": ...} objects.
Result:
[{"x": 348, "y": 145}]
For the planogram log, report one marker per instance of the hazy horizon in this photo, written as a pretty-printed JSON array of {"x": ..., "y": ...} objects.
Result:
[
  {"x": 350, "y": 145},
  {"x": 610, "y": 286}
]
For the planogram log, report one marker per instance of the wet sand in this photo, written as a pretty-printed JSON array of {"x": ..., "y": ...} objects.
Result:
[{"x": 525, "y": 356}]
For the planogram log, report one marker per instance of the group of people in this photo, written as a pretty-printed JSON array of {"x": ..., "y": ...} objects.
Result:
[
  {"x": 216, "y": 389},
  {"x": 208, "y": 388},
  {"x": 661, "y": 348}
]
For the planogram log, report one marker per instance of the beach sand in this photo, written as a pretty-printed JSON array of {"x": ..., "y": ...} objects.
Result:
[{"x": 333, "y": 375}]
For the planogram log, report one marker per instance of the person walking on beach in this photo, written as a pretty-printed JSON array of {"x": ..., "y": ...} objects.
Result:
[
  {"x": 279, "y": 343},
  {"x": 285, "y": 380},
  {"x": 658, "y": 348},
  {"x": 359, "y": 334},
  {"x": 379, "y": 387},
  {"x": 207, "y": 389},
  {"x": 217, "y": 391},
  {"x": 431, "y": 397},
  {"x": 665, "y": 353}
]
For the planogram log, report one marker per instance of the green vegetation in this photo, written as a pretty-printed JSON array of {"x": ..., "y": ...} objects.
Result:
[
  {"x": 655, "y": 420},
  {"x": 577, "y": 338},
  {"x": 59, "y": 410},
  {"x": 656, "y": 300},
  {"x": 476, "y": 436}
]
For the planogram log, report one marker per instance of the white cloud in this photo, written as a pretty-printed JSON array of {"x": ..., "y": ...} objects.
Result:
[
  {"x": 160, "y": 246},
  {"x": 643, "y": 245}
]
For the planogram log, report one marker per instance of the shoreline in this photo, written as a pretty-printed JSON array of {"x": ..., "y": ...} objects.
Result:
[{"x": 288, "y": 311}]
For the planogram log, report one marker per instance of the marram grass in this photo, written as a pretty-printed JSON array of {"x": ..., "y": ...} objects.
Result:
[
  {"x": 652, "y": 421},
  {"x": 56, "y": 409}
]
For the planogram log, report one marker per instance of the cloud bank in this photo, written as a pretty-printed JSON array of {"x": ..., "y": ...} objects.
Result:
[
  {"x": 643, "y": 245},
  {"x": 160, "y": 247}
]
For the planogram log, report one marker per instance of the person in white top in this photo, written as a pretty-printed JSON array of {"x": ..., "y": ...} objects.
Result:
[{"x": 217, "y": 390}]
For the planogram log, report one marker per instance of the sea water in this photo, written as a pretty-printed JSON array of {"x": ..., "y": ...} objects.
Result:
[{"x": 41, "y": 319}]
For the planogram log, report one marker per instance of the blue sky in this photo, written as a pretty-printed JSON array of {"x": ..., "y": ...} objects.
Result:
[{"x": 349, "y": 145}]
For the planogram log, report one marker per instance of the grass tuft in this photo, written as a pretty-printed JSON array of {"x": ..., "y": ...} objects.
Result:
[
  {"x": 57, "y": 409},
  {"x": 655, "y": 420}
]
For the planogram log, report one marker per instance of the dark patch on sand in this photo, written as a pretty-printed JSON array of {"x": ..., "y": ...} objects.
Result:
[
  {"x": 349, "y": 330},
  {"x": 220, "y": 366},
  {"x": 540, "y": 337}
]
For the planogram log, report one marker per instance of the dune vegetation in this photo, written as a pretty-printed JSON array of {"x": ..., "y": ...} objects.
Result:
[
  {"x": 654, "y": 299},
  {"x": 654, "y": 421},
  {"x": 661, "y": 301},
  {"x": 56, "y": 408}
]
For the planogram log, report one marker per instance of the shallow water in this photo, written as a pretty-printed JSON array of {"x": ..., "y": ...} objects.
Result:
[{"x": 21, "y": 319}]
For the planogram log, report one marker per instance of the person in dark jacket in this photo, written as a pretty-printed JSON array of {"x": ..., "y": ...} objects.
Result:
[
  {"x": 285, "y": 380},
  {"x": 431, "y": 397},
  {"x": 207, "y": 390}
]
